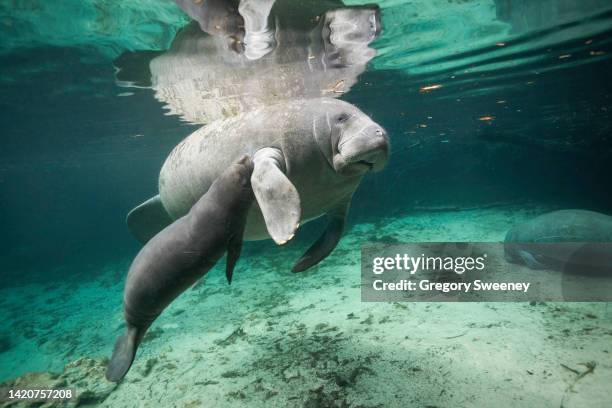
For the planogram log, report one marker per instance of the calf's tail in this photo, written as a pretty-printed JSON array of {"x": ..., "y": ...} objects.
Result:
[{"x": 123, "y": 355}]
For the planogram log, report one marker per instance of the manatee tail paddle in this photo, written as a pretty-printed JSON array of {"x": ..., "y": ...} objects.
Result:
[{"x": 123, "y": 356}]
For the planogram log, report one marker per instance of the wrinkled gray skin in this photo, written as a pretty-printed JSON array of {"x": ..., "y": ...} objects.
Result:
[
  {"x": 580, "y": 231},
  {"x": 310, "y": 156},
  {"x": 202, "y": 78},
  {"x": 182, "y": 253}
]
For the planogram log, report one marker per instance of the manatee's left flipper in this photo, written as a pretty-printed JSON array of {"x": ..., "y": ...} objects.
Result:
[
  {"x": 259, "y": 35},
  {"x": 277, "y": 197},
  {"x": 328, "y": 241}
]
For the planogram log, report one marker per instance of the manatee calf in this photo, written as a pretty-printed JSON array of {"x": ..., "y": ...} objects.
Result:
[
  {"x": 310, "y": 155},
  {"x": 182, "y": 253},
  {"x": 584, "y": 239}
]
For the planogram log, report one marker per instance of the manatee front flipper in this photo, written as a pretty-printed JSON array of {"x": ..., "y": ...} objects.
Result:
[
  {"x": 328, "y": 241},
  {"x": 123, "y": 355},
  {"x": 278, "y": 199},
  {"x": 146, "y": 220}
]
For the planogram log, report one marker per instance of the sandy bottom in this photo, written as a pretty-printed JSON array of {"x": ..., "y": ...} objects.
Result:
[{"x": 277, "y": 339}]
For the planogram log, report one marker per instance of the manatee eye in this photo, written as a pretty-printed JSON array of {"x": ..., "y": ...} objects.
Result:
[{"x": 343, "y": 117}]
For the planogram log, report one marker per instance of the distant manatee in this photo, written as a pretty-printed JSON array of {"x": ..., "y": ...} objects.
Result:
[
  {"x": 584, "y": 238},
  {"x": 182, "y": 253}
]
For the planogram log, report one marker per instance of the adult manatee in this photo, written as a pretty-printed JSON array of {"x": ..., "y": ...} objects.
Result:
[
  {"x": 575, "y": 240},
  {"x": 310, "y": 155},
  {"x": 180, "y": 254}
]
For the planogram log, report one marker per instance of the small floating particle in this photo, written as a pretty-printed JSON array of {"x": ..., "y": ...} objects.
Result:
[
  {"x": 589, "y": 41},
  {"x": 530, "y": 82},
  {"x": 337, "y": 88},
  {"x": 429, "y": 88},
  {"x": 126, "y": 94},
  {"x": 137, "y": 135},
  {"x": 501, "y": 101},
  {"x": 597, "y": 53},
  {"x": 501, "y": 44},
  {"x": 486, "y": 118},
  {"x": 564, "y": 56},
  {"x": 444, "y": 141},
  {"x": 423, "y": 125}
]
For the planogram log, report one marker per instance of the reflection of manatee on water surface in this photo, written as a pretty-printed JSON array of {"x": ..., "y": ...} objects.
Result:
[
  {"x": 204, "y": 77},
  {"x": 246, "y": 23},
  {"x": 215, "y": 17},
  {"x": 584, "y": 241},
  {"x": 310, "y": 155},
  {"x": 181, "y": 254}
]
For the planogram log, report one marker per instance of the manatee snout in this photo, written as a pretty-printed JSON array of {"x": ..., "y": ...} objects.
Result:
[{"x": 367, "y": 150}]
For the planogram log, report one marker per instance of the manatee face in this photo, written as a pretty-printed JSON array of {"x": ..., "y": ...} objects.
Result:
[{"x": 358, "y": 143}]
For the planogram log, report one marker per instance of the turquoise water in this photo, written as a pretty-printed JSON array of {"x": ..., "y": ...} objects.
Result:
[{"x": 497, "y": 111}]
